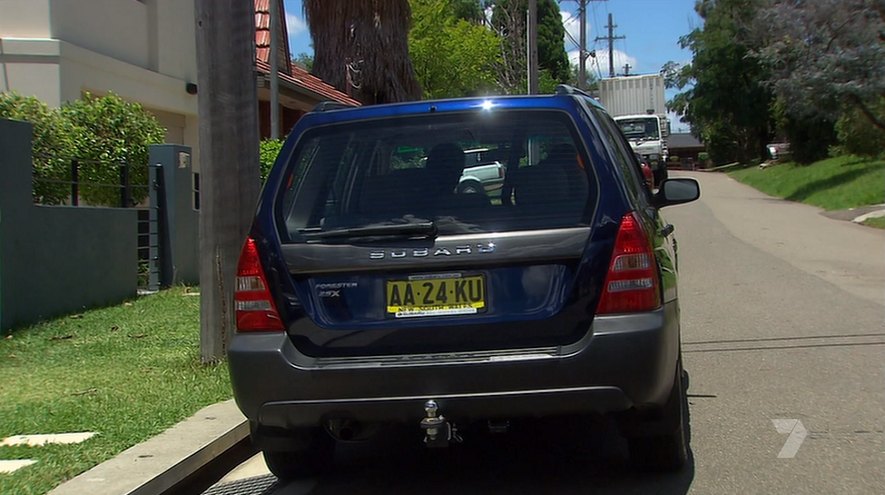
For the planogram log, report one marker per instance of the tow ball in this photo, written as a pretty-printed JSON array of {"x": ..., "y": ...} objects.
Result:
[{"x": 437, "y": 431}]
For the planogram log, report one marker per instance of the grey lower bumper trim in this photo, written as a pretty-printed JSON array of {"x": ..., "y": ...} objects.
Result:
[{"x": 475, "y": 405}]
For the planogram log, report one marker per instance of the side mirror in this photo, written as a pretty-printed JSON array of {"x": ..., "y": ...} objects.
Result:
[{"x": 676, "y": 192}]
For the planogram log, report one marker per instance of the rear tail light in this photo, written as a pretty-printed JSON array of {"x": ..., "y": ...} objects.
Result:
[
  {"x": 254, "y": 306},
  {"x": 632, "y": 281}
]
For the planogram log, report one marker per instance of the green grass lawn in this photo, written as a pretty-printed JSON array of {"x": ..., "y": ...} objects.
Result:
[
  {"x": 127, "y": 372},
  {"x": 833, "y": 184},
  {"x": 879, "y": 223}
]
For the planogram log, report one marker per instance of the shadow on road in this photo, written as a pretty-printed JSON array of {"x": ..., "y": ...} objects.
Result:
[{"x": 560, "y": 456}]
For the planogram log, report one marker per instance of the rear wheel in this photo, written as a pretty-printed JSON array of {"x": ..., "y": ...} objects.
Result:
[
  {"x": 312, "y": 457},
  {"x": 667, "y": 451},
  {"x": 470, "y": 187}
]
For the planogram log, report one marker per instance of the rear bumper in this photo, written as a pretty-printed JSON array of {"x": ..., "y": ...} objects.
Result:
[
  {"x": 626, "y": 361},
  {"x": 492, "y": 184},
  {"x": 521, "y": 403}
]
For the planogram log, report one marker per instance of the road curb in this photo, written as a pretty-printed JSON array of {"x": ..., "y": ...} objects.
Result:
[{"x": 167, "y": 460}]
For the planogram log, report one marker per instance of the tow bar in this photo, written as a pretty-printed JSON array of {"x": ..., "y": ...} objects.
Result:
[{"x": 437, "y": 431}]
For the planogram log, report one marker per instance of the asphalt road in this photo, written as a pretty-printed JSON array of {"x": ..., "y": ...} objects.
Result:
[{"x": 783, "y": 315}]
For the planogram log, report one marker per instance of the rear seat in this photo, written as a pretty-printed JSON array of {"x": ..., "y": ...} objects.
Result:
[
  {"x": 398, "y": 191},
  {"x": 554, "y": 181}
]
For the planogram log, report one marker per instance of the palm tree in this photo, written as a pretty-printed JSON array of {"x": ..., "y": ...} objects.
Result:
[{"x": 361, "y": 48}]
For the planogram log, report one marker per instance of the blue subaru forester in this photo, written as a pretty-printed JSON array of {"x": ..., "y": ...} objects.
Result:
[{"x": 372, "y": 290}]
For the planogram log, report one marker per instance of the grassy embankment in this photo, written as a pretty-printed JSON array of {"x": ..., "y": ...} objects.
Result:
[
  {"x": 833, "y": 184},
  {"x": 127, "y": 372}
]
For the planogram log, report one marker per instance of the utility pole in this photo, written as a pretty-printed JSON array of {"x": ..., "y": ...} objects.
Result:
[
  {"x": 582, "y": 42},
  {"x": 582, "y": 50},
  {"x": 611, "y": 45},
  {"x": 627, "y": 69},
  {"x": 274, "y": 14},
  {"x": 532, "y": 46},
  {"x": 228, "y": 158}
]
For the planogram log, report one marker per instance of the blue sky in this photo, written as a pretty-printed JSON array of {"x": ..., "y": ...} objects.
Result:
[{"x": 652, "y": 29}]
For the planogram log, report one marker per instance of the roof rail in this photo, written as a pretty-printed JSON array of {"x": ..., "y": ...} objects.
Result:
[
  {"x": 565, "y": 89},
  {"x": 327, "y": 105}
]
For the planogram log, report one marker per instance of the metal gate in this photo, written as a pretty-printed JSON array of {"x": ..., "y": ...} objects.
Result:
[{"x": 150, "y": 232}]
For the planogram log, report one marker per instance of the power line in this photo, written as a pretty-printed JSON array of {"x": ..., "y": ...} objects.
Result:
[
  {"x": 598, "y": 68},
  {"x": 583, "y": 53},
  {"x": 611, "y": 44},
  {"x": 568, "y": 34}
]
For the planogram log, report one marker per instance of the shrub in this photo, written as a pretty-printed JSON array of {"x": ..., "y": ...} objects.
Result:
[
  {"x": 52, "y": 144},
  {"x": 267, "y": 154},
  {"x": 704, "y": 157},
  {"x": 116, "y": 131},
  {"x": 100, "y": 132},
  {"x": 858, "y": 136}
]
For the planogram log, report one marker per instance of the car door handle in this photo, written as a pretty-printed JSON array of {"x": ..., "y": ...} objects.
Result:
[{"x": 667, "y": 230}]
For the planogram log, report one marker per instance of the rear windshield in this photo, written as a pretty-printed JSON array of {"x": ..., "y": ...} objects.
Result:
[{"x": 475, "y": 172}]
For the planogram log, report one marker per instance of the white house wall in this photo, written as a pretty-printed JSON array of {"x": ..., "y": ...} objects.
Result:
[
  {"x": 31, "y": 67},
  {"x": 142, "y": 50},
  {"x": 24, "y": 19},
  {"x": 116, "y": 28},
  {"x": 83, "y": 70}
]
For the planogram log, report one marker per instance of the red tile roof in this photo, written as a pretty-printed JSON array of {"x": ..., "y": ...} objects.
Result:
[
  {"x": 309, "y": 82},
  {"x": 288, "y": 71},
  {"x": 262, "y": 33}
]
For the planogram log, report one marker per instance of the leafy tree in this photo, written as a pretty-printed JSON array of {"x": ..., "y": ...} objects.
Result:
[
  {"x": 304, "y": 60},
  {"x": 552, "y": 56},
  {"x": 113, "y": 131},
  {"x": 723, "y": 98},
  {"x": 825, "y": 56},
  {"x": 508, "y": 20},
  {"x": 452, "y": 56},
  {"x": 810, "y": 137},
  {"x": 53, "y": 144},
  {"x": 361, "y": 48},
  {"x": 469, "y": 10},
  {"x": 857, "y": 135},
  {"x": 590, "y": 78},
  {"x": 267, "y": 155}
]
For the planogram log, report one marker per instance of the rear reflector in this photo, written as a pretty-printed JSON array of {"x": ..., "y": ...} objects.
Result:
[
  {"x": 254, "y": 306},
  {"x": 632, "y": 281}
]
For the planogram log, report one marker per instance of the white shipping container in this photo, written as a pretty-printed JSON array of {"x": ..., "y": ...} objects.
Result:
[{"x": 630, "y": 95}]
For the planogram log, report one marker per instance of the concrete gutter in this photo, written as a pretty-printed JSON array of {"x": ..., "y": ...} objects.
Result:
[
  {"x": 857, "y": 215},
  {"x": 166, "y": 461},
  {"x": 870, "y": 215}
]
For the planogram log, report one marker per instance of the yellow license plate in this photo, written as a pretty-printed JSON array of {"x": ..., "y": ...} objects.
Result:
[{"x": 436, "y": 295}]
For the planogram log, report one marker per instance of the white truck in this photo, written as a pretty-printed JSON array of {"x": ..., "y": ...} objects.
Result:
[{"x": 638, "y": 106}]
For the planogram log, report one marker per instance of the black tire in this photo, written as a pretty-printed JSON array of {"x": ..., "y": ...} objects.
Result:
[
  {"x": 667, "y": 451},
  {"x": 313, "y": 459},
  {"x": 470, "y": 187}
]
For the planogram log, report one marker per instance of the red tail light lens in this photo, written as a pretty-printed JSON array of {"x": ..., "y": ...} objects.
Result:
[
  {"x": 632, "y": 281},
  {"x": 254, "y": 306}
]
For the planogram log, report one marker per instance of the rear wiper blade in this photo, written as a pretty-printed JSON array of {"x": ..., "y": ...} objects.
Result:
[{"x": 426, "y": 230}]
